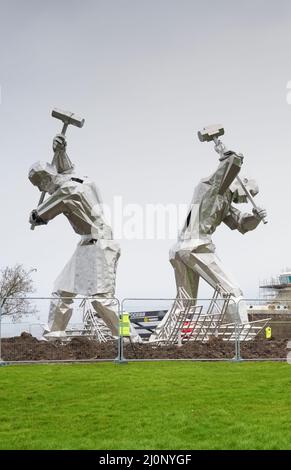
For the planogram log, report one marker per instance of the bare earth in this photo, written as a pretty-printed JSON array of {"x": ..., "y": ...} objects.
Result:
[{"x": 28, "y": 348}]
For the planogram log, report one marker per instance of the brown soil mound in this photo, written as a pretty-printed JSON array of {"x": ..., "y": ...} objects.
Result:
[{"x": 28, "y": 348}]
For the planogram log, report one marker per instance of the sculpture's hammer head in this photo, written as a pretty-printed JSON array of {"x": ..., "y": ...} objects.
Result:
[
  {"x": 68, "y": 118},
  {"x": 210, "y": 133}
]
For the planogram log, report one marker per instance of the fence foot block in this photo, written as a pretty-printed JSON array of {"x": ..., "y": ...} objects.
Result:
[{"x": 120, "y": 361}]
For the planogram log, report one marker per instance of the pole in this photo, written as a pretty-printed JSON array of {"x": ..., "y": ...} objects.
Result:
[
  {"x": 239, "y": 328},
  {"x": 2, "y": 363},
  {"x": 237, "y": 357},
  {"x": 179, "y": 339},
  {"x": 120, "y": 357},
  {"x": 238, "y": 347},
  {"x": 235, "y": 342}
]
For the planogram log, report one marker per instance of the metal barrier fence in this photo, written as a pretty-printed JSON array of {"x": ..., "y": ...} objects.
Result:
[
  {"x": 161, "y": 329},
  {"x": 273, "y": 341},
  {"x": 87, "y": 337},
  {"x": 179, "y": 329}
]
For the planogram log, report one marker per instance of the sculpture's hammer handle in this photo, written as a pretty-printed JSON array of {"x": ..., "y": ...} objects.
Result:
[
  {"x": 213, "y": 133},
  {"x": 67, "y": 118},
  {"x": 250, "y": 198},
  {"x": 42, "y": 196},
  {"x": 64, "y": 129},
  {"x": 248, "y": 194}
]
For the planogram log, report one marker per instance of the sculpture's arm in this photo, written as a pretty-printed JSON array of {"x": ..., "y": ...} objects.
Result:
[
  {"x": 61, "y": 159},
  {"x": 226, "y": 173},
  {"x": 243, "y": 222},
  {"x": 50, "y": 208}
]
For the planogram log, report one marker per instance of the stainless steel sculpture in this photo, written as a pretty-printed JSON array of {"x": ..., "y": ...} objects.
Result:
[
  {"x": 61, "y": 160},
  {"x": 186, "y": 322},
  {"x": 213, "y": 203},
  {"x": 94, "y": 326},
  {"x": 91, "y": 271}
]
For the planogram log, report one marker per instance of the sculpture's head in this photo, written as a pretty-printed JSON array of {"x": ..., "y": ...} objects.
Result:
[
  {"x": 238, "y": 194},
  {"x": 45, "y": 177}
]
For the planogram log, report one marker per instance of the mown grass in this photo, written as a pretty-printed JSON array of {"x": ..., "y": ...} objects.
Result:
[{"x": 146, "y": 406}]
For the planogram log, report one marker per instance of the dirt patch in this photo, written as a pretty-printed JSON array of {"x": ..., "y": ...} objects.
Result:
[
  {"x": 264, "y": 349},
  {"x": 279, "y": 322},
  {"x": 27, "y": 348}
]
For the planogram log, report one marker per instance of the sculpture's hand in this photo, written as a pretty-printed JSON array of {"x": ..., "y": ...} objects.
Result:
[
  {"x": 224, "y": 153},
  {"x": 229, "y": 153},
  {"x": 59, "y": 143},
  {"x": 220, "y": 148},
  {"x": 260, "y": 214},
  {"x": 35, "y": 219}
]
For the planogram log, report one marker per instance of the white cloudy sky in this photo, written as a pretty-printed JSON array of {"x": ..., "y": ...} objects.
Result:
[{"x": 146, "y": 75}]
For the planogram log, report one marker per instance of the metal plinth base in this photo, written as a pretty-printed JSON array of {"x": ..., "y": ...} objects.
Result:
[
  {"x": 120, "y": 361},
  {"x": 237, "y": 359},
  {"x": 120, "y": 358}
]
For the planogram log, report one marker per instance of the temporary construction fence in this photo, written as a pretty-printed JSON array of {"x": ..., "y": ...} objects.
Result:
[
  {"x": 87, "y": 336},
  {"x": 161, "y": 329}
]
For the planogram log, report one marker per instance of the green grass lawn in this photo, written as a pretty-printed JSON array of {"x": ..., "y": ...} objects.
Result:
[{"x": 157, "y": 405}]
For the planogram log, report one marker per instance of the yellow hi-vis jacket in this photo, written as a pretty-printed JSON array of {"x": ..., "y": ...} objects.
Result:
[{"x": 124, "y": 325}]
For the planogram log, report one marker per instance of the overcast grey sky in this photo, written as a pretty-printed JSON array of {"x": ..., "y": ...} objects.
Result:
[{"x": 146, "y": 75}]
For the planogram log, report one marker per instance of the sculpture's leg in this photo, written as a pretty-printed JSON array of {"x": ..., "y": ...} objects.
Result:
[
  {"x": 185, "y": 277},
  {"x": 59, "y": 314},
  {"x": 210, "y": 268},
  {"x": 107, "y": 309},
  {"x": 106, "y": 253}
]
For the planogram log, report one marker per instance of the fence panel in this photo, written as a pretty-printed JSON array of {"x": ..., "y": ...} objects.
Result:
[
  {"x": 162, "y": 329},
  {"x": 86, "y": 338},
  {"x": 180, "y": 329},
  {"x": 274, "y": 320}
]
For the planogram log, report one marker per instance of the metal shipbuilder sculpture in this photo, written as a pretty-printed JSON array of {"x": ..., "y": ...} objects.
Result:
[
  {"x": 214, "y": 202},
  {"x": 92, "y": 269}
]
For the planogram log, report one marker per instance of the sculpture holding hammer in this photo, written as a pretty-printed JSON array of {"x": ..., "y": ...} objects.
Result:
[
  {"x": 213, "y": 133},
  {"x": 91, "y": 271},
  {"x": 61, "y": 160},
  {"x": 214, "y": 202}
]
